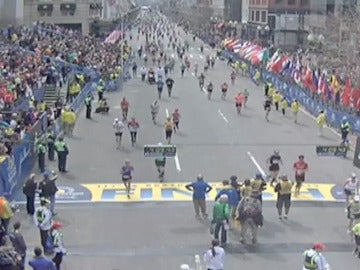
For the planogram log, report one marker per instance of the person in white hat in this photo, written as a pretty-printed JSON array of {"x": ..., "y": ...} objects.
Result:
[
  {"x": 351, "y": 187},
  {"x": 354, "y": 212}
]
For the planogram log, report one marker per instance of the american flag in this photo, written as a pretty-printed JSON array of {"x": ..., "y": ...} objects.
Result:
[{"x": 113, "y": 37}]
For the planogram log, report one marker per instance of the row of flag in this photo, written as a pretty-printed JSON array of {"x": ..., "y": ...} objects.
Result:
[{"x": 330, "y": 87}]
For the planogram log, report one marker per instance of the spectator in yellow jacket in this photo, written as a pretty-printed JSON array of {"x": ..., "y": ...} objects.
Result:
[
  {"x": 74, "y": 90},
  {"x": 5, "y": 213},
  {"x": 295, "y": 107},
  {"x": 321, "y": 121},
  {"x": 66, "y": 120},
  {"x": 72, "y": 121}
]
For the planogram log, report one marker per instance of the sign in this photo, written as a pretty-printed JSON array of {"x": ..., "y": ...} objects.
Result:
[
  {"x": 159, "y": 150},
  {"x": 142, "y": 192},
  {"x": 334, "y": 151}
]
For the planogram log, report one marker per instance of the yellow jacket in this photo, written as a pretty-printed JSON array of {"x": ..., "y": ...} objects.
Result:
[
  {"x": 284, "y": 104},
  {"x": 321, "y": 119},
  {"x": 295, "y": 107},
  {"x": 71, "y": 118},
  {"x": 277, "y": 97},
  {"x": 65, "y": 117},
  {"x": 5, "y": 209}
]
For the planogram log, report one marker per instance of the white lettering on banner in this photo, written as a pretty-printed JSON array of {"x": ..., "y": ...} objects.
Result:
[
  {"x": 23, "y": 156},
  {"x": 11, "y": 173}
]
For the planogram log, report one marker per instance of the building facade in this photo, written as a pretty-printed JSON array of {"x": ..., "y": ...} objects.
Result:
[
  {"x": 11, "y": 12},
  {"x": 74, "y": 14}
]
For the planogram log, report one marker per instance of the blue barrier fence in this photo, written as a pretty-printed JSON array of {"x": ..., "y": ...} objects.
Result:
[
  {"x": 312, "y": 104},
  {"x": 14, "y": 169}
]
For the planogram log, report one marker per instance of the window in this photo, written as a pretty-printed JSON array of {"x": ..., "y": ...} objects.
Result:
[
  {"x": 257, "y": 2},
  {"x": 304, "y": 3},
  {"x": 278, "y": 2},
  {"x": 253, "y": 15},
  {"x": 264, "y": 2},
  {"x": 257, "y": 16},
  {"x": 263, "y": 16},
  {"x": 67, "y": 9},
  {"x": 291, "y": 2},
  {"x": 45, "y": 9}
]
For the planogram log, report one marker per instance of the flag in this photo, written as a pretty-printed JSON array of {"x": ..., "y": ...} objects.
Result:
[{"x": 113, "y": 37}]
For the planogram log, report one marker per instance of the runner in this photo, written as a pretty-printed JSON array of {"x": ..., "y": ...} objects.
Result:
[
  {"x": 224, "y": 88},
  {"x": 233, "y": 77},
  {"x": 126, "y": 173},
  {"x": 176, "y": 118},
  {"x": 124, "y": 108},
  {"x": 119, "y": 128},
  {"x": 154, "y": 110},
  {"x": 201, "y": 81},
  {"x": 267, "y": 107},
  {"x": 169, "y": 83},
  {"x": 300, "y": 167},
  {"x": 133, "y": 126},
  {"x": 239, "y": 100},
  {"x": 168, "y": 129}
]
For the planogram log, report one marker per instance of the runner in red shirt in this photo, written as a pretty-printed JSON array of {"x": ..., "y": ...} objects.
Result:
[
  {"x": 239, "y": 100},
  {"x": 124, "y": 108},
  {"x": 300, "y": 167}
]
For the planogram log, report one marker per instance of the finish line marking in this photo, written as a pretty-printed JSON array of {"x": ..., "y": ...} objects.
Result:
[{"x": 257, "y": 165}]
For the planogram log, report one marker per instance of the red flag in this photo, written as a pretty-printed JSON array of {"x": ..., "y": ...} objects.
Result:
[{"x": 345, "y": 98}]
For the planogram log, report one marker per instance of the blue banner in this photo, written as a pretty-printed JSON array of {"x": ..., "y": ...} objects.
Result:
[{"x": 312, "y": 104}]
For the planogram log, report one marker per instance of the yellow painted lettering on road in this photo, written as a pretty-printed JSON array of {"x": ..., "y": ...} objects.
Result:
[{"x": 178, "y": 192}]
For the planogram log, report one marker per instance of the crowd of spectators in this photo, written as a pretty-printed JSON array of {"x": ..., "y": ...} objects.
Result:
[{"x": 33, "y": 57}]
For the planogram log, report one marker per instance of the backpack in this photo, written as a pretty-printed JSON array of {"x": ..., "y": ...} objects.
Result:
[{"x": 49, "y": 245}]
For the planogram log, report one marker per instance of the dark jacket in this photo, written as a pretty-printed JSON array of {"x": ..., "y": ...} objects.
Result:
[
  {"x": 18, "y": 242},
  {"x": 48, "y": 188},
  {"x": 29, "y": 188}
]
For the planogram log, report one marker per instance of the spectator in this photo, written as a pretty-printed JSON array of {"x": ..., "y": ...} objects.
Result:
[{"x": 39, "y": 262}]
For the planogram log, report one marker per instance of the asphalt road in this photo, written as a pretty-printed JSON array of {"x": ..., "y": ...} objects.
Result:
[
  {"x": 213, "y": 139},
  {"x": 215, "y": 142},
  {"x": 166, "y": 235}
]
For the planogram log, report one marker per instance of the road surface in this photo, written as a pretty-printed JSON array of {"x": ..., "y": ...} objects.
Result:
[{"x": 213, "y": 141}]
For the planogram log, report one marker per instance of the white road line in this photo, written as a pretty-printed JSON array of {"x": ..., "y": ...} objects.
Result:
[
  {"x": 177, "y": 162},
  {"x": 191, "y": 56},
  {"x": 314, "y": 118},
  {"x": 117, "y": 107},
  {"x": 204, "y": 90},
  {"x": 167, "y": 113},
  {"x": 223, "y": 116},
  {"x": 193, "y": 74},
  {"x": 201, "y": 56},
  {"x": 257, "y": 165}
]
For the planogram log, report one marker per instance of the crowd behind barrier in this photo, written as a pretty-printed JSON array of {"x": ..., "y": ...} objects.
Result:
[
  {"x": 16, "y": 167},
  {"x": 312, "y": 104}
]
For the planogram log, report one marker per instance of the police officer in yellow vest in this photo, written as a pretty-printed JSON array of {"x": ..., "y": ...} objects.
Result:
[
  {"x": 258, "y": 184},
  {"x": 100, "y": 89},
  {"x": 276, "y": 99},
  {"x": 41, "y": 151},
  {"x": 50, "y": 138},
  {"x": 62, "y": 152},
  {"x": 283, "y": 189}
]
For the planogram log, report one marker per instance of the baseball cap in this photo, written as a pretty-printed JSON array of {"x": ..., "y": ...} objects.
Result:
[{"x": 319, "y": 246}]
